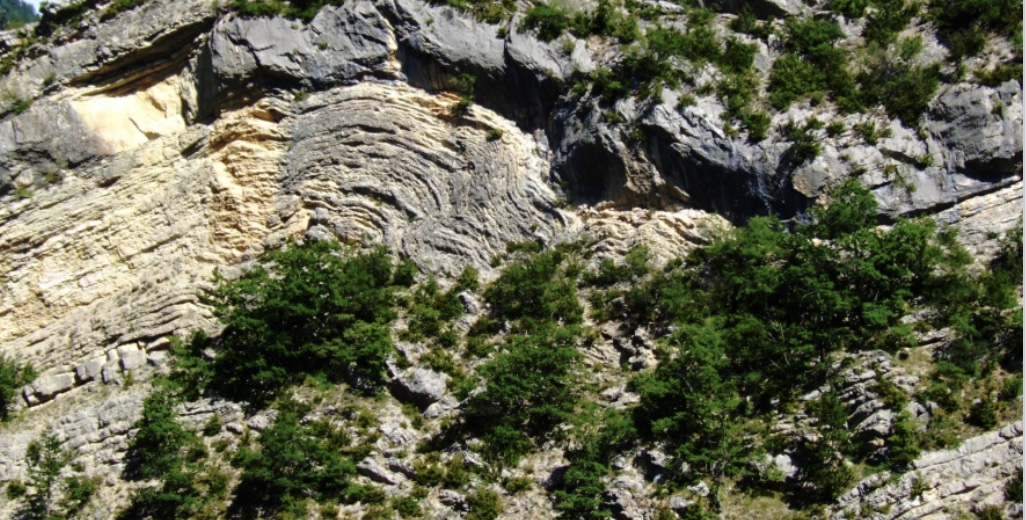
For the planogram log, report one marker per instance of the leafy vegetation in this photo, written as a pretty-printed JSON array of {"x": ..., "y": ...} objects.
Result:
[
  {"x": 305, "y": 311},
  {"x": 15, "y": 13},
  {"x": 13, "y": 376},
  {"x": 963, "y": 25},
  {"x": 304, "y": 10},
  {"x": 755, "y": 319},
  {"x": 295, "y": 462},
  {"x": 52, "y": 497},
  {"x": 528, "y": 391},
  {"x": 812, "y": 63}
]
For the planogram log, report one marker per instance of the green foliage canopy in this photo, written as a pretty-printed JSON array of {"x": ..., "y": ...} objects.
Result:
[{"x": 306, "y": 310}]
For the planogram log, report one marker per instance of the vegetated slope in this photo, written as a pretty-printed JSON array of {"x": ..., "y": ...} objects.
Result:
[
  {"x": 15, "y": 13},
  {"x": 146, "y": 144}
]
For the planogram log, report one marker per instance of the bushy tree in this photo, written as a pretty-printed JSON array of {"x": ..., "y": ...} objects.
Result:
[
  {"x": 598, "y": 436},
  {"x": 53, "y": 497},
  {"x": 304, "y": 310},
  {"x": 535, "y": 289},
  {"x": 159, "y": 443},
  {"x": 692, "y": 402},
  {"x": 13, "y": 376},
  {"x": 529, "y": 390},
  {"x": 294, "y": 462},
  {"x": 45, "y": 462}
]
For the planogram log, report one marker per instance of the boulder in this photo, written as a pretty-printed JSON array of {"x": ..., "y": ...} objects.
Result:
[
  {"x": 111, "y": 372},
  {"x": 89, "y": 370},
  {"x": 46, "y": 387},
  {"x": 453, "y": 499},
  {"x": 373, "y": 470},
  {"x": 421, "y": 386},
  {"x": 159, "y": 358},
  {"x": 133, "y": 359}
]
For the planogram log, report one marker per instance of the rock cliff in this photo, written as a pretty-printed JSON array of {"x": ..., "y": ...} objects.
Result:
[{"x": 142, "y": 149}]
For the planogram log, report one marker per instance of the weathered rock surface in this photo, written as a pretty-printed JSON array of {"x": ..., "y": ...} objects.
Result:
[
  {"x": 178, "y": 138},
  {"x": 421, "y": 385},
  {"x": 961, "y": 479}
]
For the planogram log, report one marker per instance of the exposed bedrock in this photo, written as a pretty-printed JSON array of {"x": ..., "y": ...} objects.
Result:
[{"x": 140, "y": 153}]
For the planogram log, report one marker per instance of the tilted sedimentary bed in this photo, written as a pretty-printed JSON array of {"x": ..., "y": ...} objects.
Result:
[{"x": 176, "y": 139}]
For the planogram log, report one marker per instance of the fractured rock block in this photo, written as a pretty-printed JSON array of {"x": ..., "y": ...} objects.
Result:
[
  {"x": 45, "y": 388},
  {"x": 89, "y": 370},
  {"x": 133, "y": 359},
  {"x": 373, "y": 470},
  {"x": 421, "y": 386},
  {"x": 111, "y": 372},
  {"x": 159, "y": 358}
]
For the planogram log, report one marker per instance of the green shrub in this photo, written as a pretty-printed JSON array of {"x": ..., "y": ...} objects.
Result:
[
  {"x": 13, "y": 376},
  {"x": 889, "y": 18},
  {"x": 804, "y": 143},
  {"x": 609, "y": 273},
  {"x": 428, "y": 472},
  {"x": 990, "y": 512},
  {"x": 984, "y": 414},
  {"x": 600, "y": 435},
  {"x": 963, "y": 24},
  {"x": 1000, "y": 74},
  {"x": 812, "y": 63},
  {"x": 78, "y": 491},
  {"x": 903, "y": 443},
  {"x": 304, "y": 311},
  {"x": 1013, "y": 488},
  {"x": 517, "y": 485},
  {"x": 529, "y": 391},
  {"x": 904, "y": 90},
  {"x": 484, "y": 504},
  {"x": 296, "y": 461},
  {"x": 160, "y": 443},
  {"x": 212, "y": 426},
  {"x": 869, "y": 132},
  {"x": 737, "y": 56},
  {"x": 456, "y": 474},
  {"x": 1011, "y": 389},
  {"x": 548, "y": 22},
  {"x": 835, "y": 128},
  {"x": 407, "y": 507},
  {"x": 851, "y": 9},
  {"x": 535, "y": 289},
  {"x": 15, "y": 490},
  {"x": 746, "y": 22}
]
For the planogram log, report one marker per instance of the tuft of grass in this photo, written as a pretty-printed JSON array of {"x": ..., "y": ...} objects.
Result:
[{"x": 494, "y": 134}]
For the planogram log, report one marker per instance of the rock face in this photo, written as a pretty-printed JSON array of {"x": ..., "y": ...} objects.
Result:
[
  {"x": 945, "y": 482},
  {"x": 139, "y": 154}
]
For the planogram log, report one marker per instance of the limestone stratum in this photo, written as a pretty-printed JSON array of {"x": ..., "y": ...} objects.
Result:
[{"x": 634, "y": 259}]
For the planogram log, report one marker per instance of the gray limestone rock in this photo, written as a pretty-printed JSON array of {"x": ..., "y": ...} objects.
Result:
[
  {"x": 111, "y": 372},
  {"x": 421, "y": 385},
  {"x": 373, "y": 470},
  {"x": 981, "y": 128},
  {"x": 89, "y": 370},
  {"x": 260, "y": 422},
  {"x": 159, "y": 358},
  {"x": 340, "y": 44},
  {"x": 785, "y": 465},
  {"x": 133, "y": 359},
  {"x": 453, "y": 499},
  {"x": 46, "y": 387}
]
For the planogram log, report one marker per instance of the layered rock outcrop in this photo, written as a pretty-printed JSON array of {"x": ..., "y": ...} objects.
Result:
[{"x": 140, "y": 153}]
